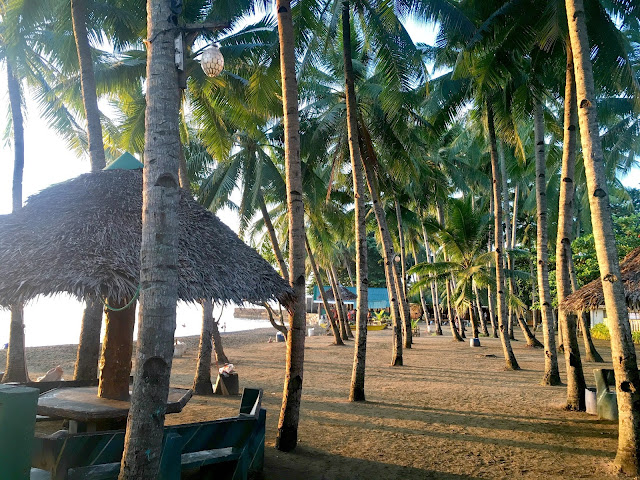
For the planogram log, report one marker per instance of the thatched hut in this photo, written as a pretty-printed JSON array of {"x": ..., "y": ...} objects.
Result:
[
  {"x": 83, "y": 237},
  {"x": 591, "y": 297}
]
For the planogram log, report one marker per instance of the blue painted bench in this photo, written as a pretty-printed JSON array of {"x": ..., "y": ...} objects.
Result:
[{"x": 234, "y": 445}]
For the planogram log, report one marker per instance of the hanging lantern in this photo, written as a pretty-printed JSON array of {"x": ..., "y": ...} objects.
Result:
[{"x": 212, "y": 61}]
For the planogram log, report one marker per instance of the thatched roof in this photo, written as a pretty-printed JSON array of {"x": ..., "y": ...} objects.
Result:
[
  {"x": 347, "y": 295},
  {"x": 591, "y": 297},
  {"x": 83, "y": 237}
]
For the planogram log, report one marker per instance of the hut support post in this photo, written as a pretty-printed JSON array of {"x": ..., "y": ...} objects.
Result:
[
  {"x": 88, "y": 353},
  {"x": 117, "y": 347}
]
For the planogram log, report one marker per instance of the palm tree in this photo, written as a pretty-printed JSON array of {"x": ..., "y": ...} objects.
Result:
[
  {"x": 16, "y": 368},
  {"x": 575, "y": 377},
  {"x": 464, "y": 239},
  {"x": 356, "y": 392},
  {"x": 622, "y": 348},
  {"x": 287, "y": 437},
  {"x": 551, "y": 374},
  {"x": 159, "y": 272}
]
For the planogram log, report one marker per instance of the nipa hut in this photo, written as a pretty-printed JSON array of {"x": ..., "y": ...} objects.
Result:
[
  {"x": 83, "y": 237},
  {"x": 591, "y": 297}
]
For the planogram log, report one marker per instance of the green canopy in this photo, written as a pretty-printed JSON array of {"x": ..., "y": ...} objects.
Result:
[{"x": 126, "y": 161}]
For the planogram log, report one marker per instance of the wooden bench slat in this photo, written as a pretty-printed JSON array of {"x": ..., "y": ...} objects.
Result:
[{"x": 209, "y": 457}]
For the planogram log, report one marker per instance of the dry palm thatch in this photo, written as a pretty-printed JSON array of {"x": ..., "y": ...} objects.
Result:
[
  {"x": 591, "y": 297},
  {"x": 347, "y": 295},
  {"x": 83, "y": 237}
]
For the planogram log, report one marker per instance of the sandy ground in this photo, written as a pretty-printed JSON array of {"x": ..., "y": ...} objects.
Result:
[{"x": 451, "y": 412}]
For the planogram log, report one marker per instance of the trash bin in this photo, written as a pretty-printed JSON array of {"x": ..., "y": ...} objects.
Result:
[
  {"x": 17, "y": 426},
  {"x": 474, "y": 342},
  {"x": 279, "y": 337},
  {"x": 227, "y": 384}
]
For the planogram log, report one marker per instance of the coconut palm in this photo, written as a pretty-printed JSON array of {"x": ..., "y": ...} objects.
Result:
[
  {"x": 626, "y": 369},
  {"x": 464, "y": 238},
  {"x": 158, "y": 297}
]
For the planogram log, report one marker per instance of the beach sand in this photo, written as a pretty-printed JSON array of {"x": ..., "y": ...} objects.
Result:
[{"x": 451, "y": 412}]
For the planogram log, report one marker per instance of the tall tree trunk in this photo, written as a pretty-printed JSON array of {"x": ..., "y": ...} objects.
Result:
[
  {"x": 342, "y": 320},
  {"x": 218, "y": 349},
  {"x": 434, "y": 286},
  {"x": 159, "y": 251},
  {"x": 387, "y": 256},
  {"x": 474, "y": 322},
  {"x": 117, "y": 348},
  {"x": 509, "y": 357},
  {"x": 507, "y": 232},
  {"x": 272, "y": 236},
  {"x": 340, "y": 302},
  {"x": 483, "y": 324},
  {"x": 575, "y": 376},
  {"x": 514, "y": 215},
  {"x": 423, "y": 302},
  {"x": 316, "y": 273},
  {"x": 16, "y": 366},
  {"x": 455, "y": 332},
  {"x": 622, "y": 348},
  {"x": 287, "y": 437},
  {"x": 356, "y": 392},
  {"x": 202, "y": 380},
  {"x": 490, "y": 297},
  {"x": 88, "y": 85},
  {"x": 347, "y": 266},
  {"x": 408, "y": 332},
  {"x": 88, "y": 353},
  {"x": 551, "y": 375}
]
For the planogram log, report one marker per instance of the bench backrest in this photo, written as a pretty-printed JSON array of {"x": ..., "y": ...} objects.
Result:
[{"x": 59, "y": 453}]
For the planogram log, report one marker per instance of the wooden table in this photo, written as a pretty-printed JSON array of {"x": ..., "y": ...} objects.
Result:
[{"x": 88, "y": 412}]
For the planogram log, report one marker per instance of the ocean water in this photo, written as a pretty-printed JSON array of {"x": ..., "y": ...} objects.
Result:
[{"x": 56, "y": 321}]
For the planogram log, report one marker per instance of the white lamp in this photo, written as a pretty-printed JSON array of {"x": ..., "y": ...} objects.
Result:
[{"x": 212, "y": 61}]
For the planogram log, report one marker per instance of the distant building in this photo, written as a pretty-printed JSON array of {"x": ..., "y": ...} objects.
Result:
[{"x": 378, "y": 297}]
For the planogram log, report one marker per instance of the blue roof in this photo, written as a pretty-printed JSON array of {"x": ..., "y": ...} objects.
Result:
[{"x": 378, "y": 297}]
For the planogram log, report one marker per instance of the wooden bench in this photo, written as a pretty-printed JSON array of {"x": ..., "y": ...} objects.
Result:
[{"x": 234, "y": 445}]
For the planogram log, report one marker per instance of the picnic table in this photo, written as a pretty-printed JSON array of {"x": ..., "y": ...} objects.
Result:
[{"x": 87, "y": 412}]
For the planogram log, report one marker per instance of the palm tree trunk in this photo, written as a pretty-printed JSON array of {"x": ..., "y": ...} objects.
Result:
[
  {"x": 369, "y": 161},
  {"x": 575, "y": 376},
  {"x": 159, "y": 251},
  {"x": 622, "y": 348},
  {"x": 272, "y": 236},
  {"x": 218, "y": 349},
  {"x": 551, "y": 375},
  {"x": 117, "y": 348},
  {"x": 356, "y": 392},
  {"x": 16, "y": 366},
  {"x": 434, "y": 286},
  {"x": 88, "y": 354},
  {"x": 408, "y": 332},
  {"x": 492, "y": 312},
  {"x": 202, "y": 380},
  {"x": 387, "y": 256},
  {"x": 509, "y": 357},
  {"x": 287, "y": 437},
  {"x": 474, "y": 323},
  {"x": 340, "y": 302},
  {"x": 346, "y": 259},
  {"x": 423, "y": 303},
  {"x": 485, "y": 332},
  {"x": 514, "y": 215},
  {"x": 342, "y": 319},
  {"x": 88, "y": 85},
  {"x": 316, "y": 273}
]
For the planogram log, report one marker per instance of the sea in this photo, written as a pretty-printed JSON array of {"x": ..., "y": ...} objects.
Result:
[{"x": 56, "y": 321}]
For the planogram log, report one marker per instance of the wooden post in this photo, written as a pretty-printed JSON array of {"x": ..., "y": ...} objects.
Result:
[{"x": 117, "y": 347}]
